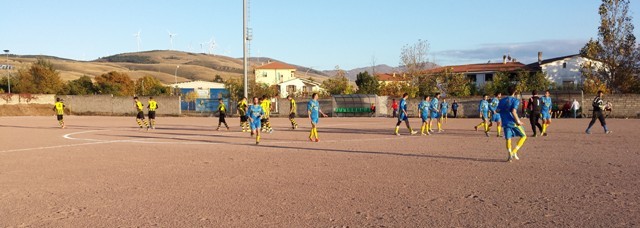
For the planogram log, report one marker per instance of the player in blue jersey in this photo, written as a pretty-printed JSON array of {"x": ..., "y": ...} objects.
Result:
[
  {"x": 483, "y": 109},
  {"x": 403, "y": 115},
  {"x": 254, "y": 114},
  {"x": 423, "y": 110},
  {"x": 546, "y": 111},
  {"x": 495, "y": 116},
  {"x": 435, "y": 112},
  {"x": 313, "y": 109},
  {"x": 508, "y": 109},
  {"x": 444, "y": 108}
]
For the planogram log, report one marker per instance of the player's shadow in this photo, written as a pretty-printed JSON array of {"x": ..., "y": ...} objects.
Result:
[
  {"x": 354, "y": 131},
  {"x": 387, "y": 153}
]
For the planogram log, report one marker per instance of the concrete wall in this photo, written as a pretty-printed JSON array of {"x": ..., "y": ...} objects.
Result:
[
  {"x": 624, "y": 105},
  {"x": 110, "y": 105},
  {"x": 13, "y": 99},
  {"x": 326, "y": 105}
]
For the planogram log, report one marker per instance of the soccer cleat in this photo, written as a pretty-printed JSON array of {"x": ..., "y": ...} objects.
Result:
[
  {"x": 588, "y": 132},
  {"x": 440, "y": 131},
  {"x": 516, "y": 156},
  {"x": 257, "y": 142},
  {"x": 217, "y": 129},
  {"x": 487, "y": 134},
  {"x": 534, "y": 135},
  {"x": 414, "y": 132},
  {"x": 270, "y": 131},
  {"x": 317, "y": 140},
  {"x": 544, "y": 134},
  {"x": 608, "y": 132},
  {"x": 398, "y": 134},
  {"x": 423, "y": 134},
  {"x": 475, "y": 128},
  {"x": 310, "y": 139},
  {"x": 509, "y": 158}
]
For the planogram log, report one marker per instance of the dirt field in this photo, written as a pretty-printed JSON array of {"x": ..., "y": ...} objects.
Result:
[{"x": 103, "y": 172}]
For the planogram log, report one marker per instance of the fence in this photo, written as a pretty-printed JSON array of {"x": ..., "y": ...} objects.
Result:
[{"x": 111, "y": 105}]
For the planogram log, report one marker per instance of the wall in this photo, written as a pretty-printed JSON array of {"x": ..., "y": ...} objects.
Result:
[
  {"x": 110, "y": 105},
  {"x": 326, "y": 105},
  {"x": 13, "y": 99},
  {"x": 624, "y": 105}
]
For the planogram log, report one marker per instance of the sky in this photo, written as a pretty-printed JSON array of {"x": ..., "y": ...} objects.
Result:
[{"x": 320, "y": 34}]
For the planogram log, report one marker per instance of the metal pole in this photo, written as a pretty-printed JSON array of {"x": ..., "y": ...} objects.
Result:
[
  {"x": 175, "y": 76},
  {"x": 244, "y": 46},
  {"x": 8, "y": 72}
]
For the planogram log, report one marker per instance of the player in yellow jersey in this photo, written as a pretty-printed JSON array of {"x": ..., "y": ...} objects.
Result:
[
  {"x": 222, "y": 111},
  {"x": 59, "y": 108},
  {"x": 242, "y": 111},
  {"x": 153, "y": 106},
  {"x": 140, "y": 117},
  {"x": 266, "y": 108},
  {"x": 293, "y": 108}
]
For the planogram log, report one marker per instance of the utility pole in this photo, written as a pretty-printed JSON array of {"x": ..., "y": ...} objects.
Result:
[
  {"x": 245, "y": 38},
  {"x": 8, "y": 73}
]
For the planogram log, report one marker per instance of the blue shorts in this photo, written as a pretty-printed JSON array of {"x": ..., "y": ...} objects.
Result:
[
  {"x": 546, "y": 115},
  {"x": 424, "y": 118},
  {"x": 510, "y": 132},
  {"x": 444, "y": 113},
  {"x": 496, "y": 118},
  {"x": 485, "y": 116},
  {"x": 314, "y": 121},
  {"x": 403, "y": 117},
  {"x": 435, "y": 115},
  {"x": 255, "y": 124}
]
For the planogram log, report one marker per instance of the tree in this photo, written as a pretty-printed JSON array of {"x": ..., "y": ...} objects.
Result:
[
  {"x": 367, "y": 84},
  {"x": 116, "y": 83},
  {"x": 457, "y": 84},
  {"x": 615, "y": 48},
  {"x": 414, "y": 57},
  {"x": 500, "y": 83},
  {"x": 338, "y": 84},
  {"x": 235, "y": 88},
  {"x": 190, "y": 97},
  {"x": 150, "y": 86},
  {"x": 80, "y": 86},
  {"x": 218, "y": 79},
  {"x": 41, "y": 77}
]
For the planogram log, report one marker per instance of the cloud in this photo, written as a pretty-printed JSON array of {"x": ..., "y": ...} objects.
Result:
[{"x": 526, "y": 52}]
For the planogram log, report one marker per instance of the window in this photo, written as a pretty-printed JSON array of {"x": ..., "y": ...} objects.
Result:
[
  {"x": 568, "y": 84},
  {"x": 305, "y": 89},
  {"x": 264, "y": 74},
  {"x": 488, "y": 77},
  {"x": 471, "y": 77},
  {"x": 564, "y": 65},
  {"x": 291, "y": 89}
]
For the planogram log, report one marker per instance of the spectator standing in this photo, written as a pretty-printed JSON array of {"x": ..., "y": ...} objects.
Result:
[{"x": 575, "y": 106}]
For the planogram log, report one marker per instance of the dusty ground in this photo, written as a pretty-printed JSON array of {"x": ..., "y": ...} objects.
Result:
[{"x": 102, "y": 171}]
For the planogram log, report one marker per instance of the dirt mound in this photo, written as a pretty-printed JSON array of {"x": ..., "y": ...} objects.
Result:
[{"x": 26, "y": 110}]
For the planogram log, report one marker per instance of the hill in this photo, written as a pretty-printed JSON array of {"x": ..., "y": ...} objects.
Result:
[{"x": 159, "y": 64}]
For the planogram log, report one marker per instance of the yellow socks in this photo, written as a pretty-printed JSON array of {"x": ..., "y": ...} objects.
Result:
[
  {"x": 499, "y": 130},
  {"x": 314, "y": 133},
  {"x": 397, "y": 129},
  {"x": 544, "y": 128},
  {"x": 258, "y": 138},
  {"x": 422, "y": 129},
  {"x": 439, "y": 126},
  {"x": 509, "y": 147}
]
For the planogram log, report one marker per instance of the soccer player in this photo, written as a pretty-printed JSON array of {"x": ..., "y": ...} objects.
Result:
[
  {"x": 293, "y": 108},
  {"x": 535, "y": 105},
  {"x": 435, "y": 112},
  {"x": 508, "y": 110},
  {"x": 444, "y": 107},
  {"x": 483, "y": 108},
  {"x": 546, "y": 112},
  {"x": 222, "y": 112},
  {"x": 495, "y": 116},
  {"x": 59, "y": 108},
  {"x": 266, "y": 107},
  {"x": 314, "y": 111},
  {"x": 254, "y": 114},
  {"x": 153, "y": 106},
  {"x": 242, "y": 112},
  {"x": 403, "y": 115},
  {"x": 140, "y": 117},
  {"x": 598, "y": 107},
  {"x": 423, "y": 109}
]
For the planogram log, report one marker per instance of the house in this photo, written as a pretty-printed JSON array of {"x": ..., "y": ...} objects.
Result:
[
  {"x": 208, "y": 95},
  {"x": 480, "y": 73},
  {"x": 563, "y": 71},
  {"x": 298, "y": 86},
  {"x": 274, "y": 73},
  {"x": 386, "y": 78}
]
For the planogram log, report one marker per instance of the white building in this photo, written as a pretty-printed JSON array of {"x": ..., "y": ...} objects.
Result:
[
  {"x": 563, "y": 71},
  {"x": 203, "y": 88},
  {"x": 482, "y": 73},
  {"x": 274, "y": 73},
  {"x": 298, "y": 86}
]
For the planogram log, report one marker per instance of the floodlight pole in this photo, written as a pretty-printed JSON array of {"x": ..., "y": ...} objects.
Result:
[
  {"x": 244, "y": 46},
  {"x": 8, "y": 73},
  {"x": 175, "y": 76}
]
